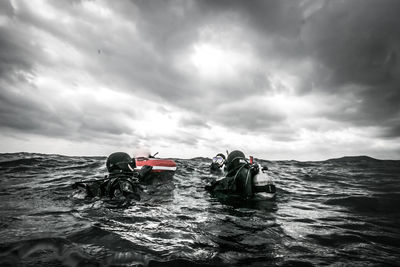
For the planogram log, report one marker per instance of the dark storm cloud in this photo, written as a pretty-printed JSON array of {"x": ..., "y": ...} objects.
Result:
[
  {"x": 25, "y": 108},
  {"x": 11, "y": 106},
  {"x": 350, "y": 42},
  {"x": 193, "y": 121},
  {"x": 358, "y": 43},
  {"x": 16, "y": 66},
  {"x": 6, "y": 8},
  {"x": 282, "y": 18},
  {"x": 247, "y": 117},
  {"x": 14, "y": 57},
  {"x": 33, "y": 115},
  {"x": 361, "y": 46},
  {"x": 169, "y": 25},
  {"x": 393, "y": 131},
  {"x": 272, "y": 27},
  {"x": 182, "y": 137}
]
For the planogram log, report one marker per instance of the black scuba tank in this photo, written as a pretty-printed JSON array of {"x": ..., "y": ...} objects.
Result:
[{"x": 240, "y": 170}]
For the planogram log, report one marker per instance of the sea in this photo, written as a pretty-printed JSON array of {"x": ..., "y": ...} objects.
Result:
[{"x": 338, "y": 212}]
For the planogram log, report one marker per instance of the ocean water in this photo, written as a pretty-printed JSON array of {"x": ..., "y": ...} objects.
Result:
[{"x": 338, "y": 212}]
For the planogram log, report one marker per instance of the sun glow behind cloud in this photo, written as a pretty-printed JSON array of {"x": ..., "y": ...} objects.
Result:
[{"x": 214, "y": 62}]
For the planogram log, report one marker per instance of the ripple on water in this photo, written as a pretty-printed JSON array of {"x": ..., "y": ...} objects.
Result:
[{"x": 326, "y": 213}]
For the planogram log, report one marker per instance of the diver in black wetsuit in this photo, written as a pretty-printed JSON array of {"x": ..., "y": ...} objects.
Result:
[
  {"x": 122, "y": 180},
  {"x": 217, "y": 163},
  {"x": 240, "y": 178}
]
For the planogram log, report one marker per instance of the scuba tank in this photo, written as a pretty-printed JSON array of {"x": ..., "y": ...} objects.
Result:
[{"x": 263, "y": 185}]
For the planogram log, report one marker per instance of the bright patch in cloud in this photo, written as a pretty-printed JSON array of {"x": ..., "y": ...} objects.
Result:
[{"x": 213, "y": 61}]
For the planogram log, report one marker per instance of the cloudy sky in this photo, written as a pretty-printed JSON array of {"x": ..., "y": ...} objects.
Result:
[{"x": 305, "y": 80}]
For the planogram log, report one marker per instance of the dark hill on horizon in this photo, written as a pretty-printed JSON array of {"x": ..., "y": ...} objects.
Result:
[{"x": 354, "y": 159}]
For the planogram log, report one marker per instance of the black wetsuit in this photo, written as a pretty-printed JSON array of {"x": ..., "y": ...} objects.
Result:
[{"x": 239, "y": 180}]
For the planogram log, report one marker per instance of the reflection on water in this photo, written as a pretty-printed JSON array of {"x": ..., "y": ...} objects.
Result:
[{"x": 339, "y": 212}]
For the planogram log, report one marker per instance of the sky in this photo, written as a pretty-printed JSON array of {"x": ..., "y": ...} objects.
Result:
[{"x": 302, "y": 80}]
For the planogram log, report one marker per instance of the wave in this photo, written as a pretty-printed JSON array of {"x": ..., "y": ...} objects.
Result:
[
  {"x": 65, "y": 252},
  {"x": 19, "y": 162},
  {"x": 383, "y": 203}
]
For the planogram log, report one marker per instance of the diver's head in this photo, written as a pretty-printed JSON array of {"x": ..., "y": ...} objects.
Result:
[
  {"x": 235, "y": 159},
  {"x": 218, "y": 160},
  {"x": 120, "y": 162}
]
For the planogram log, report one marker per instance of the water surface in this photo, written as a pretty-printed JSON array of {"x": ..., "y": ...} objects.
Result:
[{"x": 335, "y": 212}]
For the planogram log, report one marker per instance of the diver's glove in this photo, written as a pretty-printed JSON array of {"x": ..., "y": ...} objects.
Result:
[
  {"x": 254, "y": 169},
  {"x": 144, "y": 173},
  {"x": 93, "y": 187}
]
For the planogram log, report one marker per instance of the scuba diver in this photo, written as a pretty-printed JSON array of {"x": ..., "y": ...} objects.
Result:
[
  {"x": 217, "y": 163},
  {"x": 243, "y": 178},
  {"x": 121, "y": 182}
]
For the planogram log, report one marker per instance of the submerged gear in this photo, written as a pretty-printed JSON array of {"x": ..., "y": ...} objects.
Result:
[{"x": 120, "y": 162}]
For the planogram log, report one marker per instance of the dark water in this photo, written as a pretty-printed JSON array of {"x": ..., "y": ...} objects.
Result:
[{"x": 336, "y": 212}]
